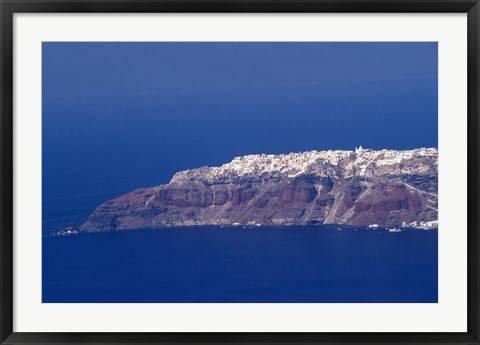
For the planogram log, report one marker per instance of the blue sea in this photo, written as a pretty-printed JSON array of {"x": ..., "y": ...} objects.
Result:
[
  {"x": 317, "y": 264},
  {"x": 119, "y": 116}
]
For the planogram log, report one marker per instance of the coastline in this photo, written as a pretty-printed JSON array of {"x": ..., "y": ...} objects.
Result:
[{"x": 337, "y": 227}]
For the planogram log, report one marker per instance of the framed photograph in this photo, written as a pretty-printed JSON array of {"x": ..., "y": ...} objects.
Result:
[{"x": 239, "y": 172}]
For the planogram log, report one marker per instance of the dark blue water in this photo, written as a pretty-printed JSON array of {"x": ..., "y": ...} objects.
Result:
[
  {"x": 212, "y": 264},
  {"x": 120, "y": 116}
]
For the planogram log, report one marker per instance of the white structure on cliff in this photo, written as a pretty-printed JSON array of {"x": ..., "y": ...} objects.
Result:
[
  {"x": 338, "y": 163},
  {"x": 358, "y": 149}
]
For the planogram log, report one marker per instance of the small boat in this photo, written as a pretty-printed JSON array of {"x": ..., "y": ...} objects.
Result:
[{"x": 394, "y": 230}]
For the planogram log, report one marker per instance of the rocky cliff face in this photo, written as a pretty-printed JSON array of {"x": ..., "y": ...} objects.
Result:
[{"x": 361, "y": 188}]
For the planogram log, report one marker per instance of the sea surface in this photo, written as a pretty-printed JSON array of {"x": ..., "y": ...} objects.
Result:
[
  {"x": 108, "y": 129},
  {"x": 317, "y": 264}
]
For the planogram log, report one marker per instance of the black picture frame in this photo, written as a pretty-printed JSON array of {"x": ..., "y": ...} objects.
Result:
[{"x": 9, "y": 7}]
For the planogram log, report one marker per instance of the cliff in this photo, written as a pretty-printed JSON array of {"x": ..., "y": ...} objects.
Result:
[{"x": 360, "y": 188}]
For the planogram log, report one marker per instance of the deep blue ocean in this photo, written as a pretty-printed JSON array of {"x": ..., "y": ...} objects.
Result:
[
  {"x": 324, "y": 264},
  {"x": 120, "y": 116}
]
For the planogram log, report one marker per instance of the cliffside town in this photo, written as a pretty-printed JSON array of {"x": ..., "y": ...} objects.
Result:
[{"x": 360, "y": 188}]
